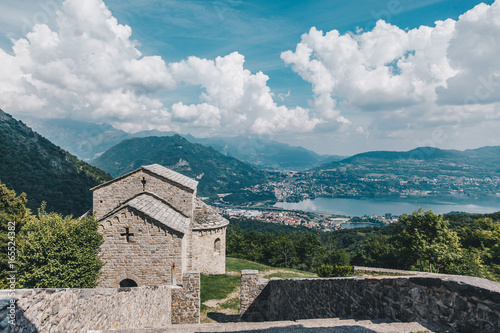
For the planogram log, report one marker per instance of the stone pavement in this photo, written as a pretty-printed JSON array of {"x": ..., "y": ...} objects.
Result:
[{"x": 334, "y": 325}]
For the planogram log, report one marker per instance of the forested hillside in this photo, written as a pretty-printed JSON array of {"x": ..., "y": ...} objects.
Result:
[
  {"x": 453, "y": 244},
  {"x": 216, "y": 173},
  {"x": 32, "y": 164}
]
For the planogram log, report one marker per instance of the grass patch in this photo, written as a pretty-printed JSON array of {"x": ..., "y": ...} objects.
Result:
[
  {"x": 237, "y": 265},
  {"x": 217, "y": 286}
]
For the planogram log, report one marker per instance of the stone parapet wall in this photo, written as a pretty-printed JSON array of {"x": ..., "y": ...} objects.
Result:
[
  {"x": 81, "y": 310},
  {"x": 464, "y": 304},
  {"x": 186, "y": 300}
]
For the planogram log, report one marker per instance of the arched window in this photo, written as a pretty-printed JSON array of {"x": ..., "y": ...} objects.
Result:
[
  {"x": 127, "y": 283},
  {"x": 217, "y": 245}
]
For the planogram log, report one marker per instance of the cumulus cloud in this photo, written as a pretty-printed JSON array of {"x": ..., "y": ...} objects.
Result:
[
  {"x": 87, "y": 65},
  {"x": 241, "y": 100},
  {"x": 415, "y": 71}
]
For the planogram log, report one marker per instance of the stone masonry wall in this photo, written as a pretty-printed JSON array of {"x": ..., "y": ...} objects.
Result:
[
  {"x": 149, "y": 256},
  {"x": 79, "y": 310},
  {"x": 464, "y": 304},
  {"x": 186, "y": 300},
  {"x": 205, "y": 257},
  {"x": 109, "y": 197}
]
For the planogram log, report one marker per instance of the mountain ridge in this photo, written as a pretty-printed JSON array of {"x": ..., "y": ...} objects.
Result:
[
  {"x": 215, "y": 172},
  {"x": 44, "y": 171},
  {"x": 88, "y": 141}
]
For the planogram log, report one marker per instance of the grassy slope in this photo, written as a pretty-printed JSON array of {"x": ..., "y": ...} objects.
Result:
[{"x": 220, "y": 287}]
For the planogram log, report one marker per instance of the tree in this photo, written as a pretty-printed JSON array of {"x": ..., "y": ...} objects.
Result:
[
  {"x": 283, "y": 253},
  {"x": 13, "y": 214},
  {"x": 379, "y": 251},
  {"x": 59, "y": 252},
  {"x": 427, "y": 241}
]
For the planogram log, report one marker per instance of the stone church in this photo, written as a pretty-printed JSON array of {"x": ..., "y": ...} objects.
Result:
[{"x": 155, "y": 228}]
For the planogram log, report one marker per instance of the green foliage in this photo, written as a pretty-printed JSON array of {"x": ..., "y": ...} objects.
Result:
[
  {"x": 379, "y": 250},
  {"x": 303, "y": 251},
  {"x": 427, "y": 241},
  {"x": 325, "y": 271},
  {"x": 334, "y": 271},
  {"x": 13, "y": 215},
  {"x": 59, "y": 252},
  {"x": 45, "y": 172},
  {"x": 467, "y": 245}
]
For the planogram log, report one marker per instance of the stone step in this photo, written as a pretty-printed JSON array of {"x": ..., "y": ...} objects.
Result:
[{"x": 334, "y": 325}]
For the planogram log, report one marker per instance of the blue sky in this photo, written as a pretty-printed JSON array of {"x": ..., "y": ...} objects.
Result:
[{"x": 259, "y": 68}]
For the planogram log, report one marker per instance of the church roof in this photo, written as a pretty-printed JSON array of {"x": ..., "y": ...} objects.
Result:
[
  {"x": 161, "y": 171},
  {"x": 171, "y": 175},
  {"x": 206, "y": 218},
  {"x": 160, "y": 211}
]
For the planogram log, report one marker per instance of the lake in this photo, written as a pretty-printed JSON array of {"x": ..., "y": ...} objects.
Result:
[{"x": 361, "y": 207}]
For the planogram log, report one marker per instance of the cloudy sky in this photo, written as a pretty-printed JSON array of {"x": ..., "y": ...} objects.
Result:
[{"x": 338, "y": 77}]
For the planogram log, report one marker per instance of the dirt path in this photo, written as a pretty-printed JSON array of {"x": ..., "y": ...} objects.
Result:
[{"x": 213, "y": 303}]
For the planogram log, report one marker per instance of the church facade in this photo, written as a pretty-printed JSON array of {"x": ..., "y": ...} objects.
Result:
[{"x": 155, "y": 228}]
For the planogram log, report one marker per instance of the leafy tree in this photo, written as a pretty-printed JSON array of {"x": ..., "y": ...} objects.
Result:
[
  {"x": 59, "y": 252},
  {"x": 332, "y": 254},
  {"x": 427, "y": 241},
  {"x": 283, "y": 252},
  {"x": 482, "y": 238},
  {"x": 379, "y": 251},
  {"x": 13, "y": 214}
]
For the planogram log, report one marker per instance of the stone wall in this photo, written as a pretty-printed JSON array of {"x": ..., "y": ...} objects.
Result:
[
  {"x": 80, "y": 310},
  {"x": 112, "y": 195},
  {"x": 464, "y": 304},
  {"x": 186, "y": 300},
  {"x": 147, "y": 259},
  {"x": 205, "y": 257}
]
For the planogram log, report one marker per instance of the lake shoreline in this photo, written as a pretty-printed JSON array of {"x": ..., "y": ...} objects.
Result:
[{"x": 395, "y": 206}]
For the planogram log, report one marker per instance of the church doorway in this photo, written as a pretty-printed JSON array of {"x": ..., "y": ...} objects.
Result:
[{"x": 127, "y": 283}]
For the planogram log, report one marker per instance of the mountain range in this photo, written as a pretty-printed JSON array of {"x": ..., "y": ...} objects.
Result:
[
  {"x": 88, "y": 141},
  {"x": 32, "y": 164},
  {"x": 216, "y": 173}
]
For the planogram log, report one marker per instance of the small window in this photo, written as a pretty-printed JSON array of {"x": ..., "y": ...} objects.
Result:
[
  {"x": 217, "y": 245},
  {"x": 127, "y": 283}
]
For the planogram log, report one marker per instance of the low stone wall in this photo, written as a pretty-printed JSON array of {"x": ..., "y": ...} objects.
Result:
[
  {"x": 80, "y": 310},
  {"x": 464, "y": 304}
]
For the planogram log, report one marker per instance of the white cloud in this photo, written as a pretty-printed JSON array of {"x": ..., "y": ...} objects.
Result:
[
  {"x": 406, "y": 81},
  {"x": 88, "y": 66},
  {"x": 243, "y": 100},
  {"x": 385, "y": 68}
]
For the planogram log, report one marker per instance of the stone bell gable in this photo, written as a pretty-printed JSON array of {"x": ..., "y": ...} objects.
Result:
[{"x": 155, "y": 228}]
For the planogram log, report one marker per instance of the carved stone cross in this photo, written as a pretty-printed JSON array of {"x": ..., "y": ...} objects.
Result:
[{"x": 128, "y": 235}]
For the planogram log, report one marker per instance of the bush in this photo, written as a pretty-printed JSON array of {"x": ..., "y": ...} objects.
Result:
[
  {"x": 325, "y": 271},
  {"x": 59, "y": 252}
]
